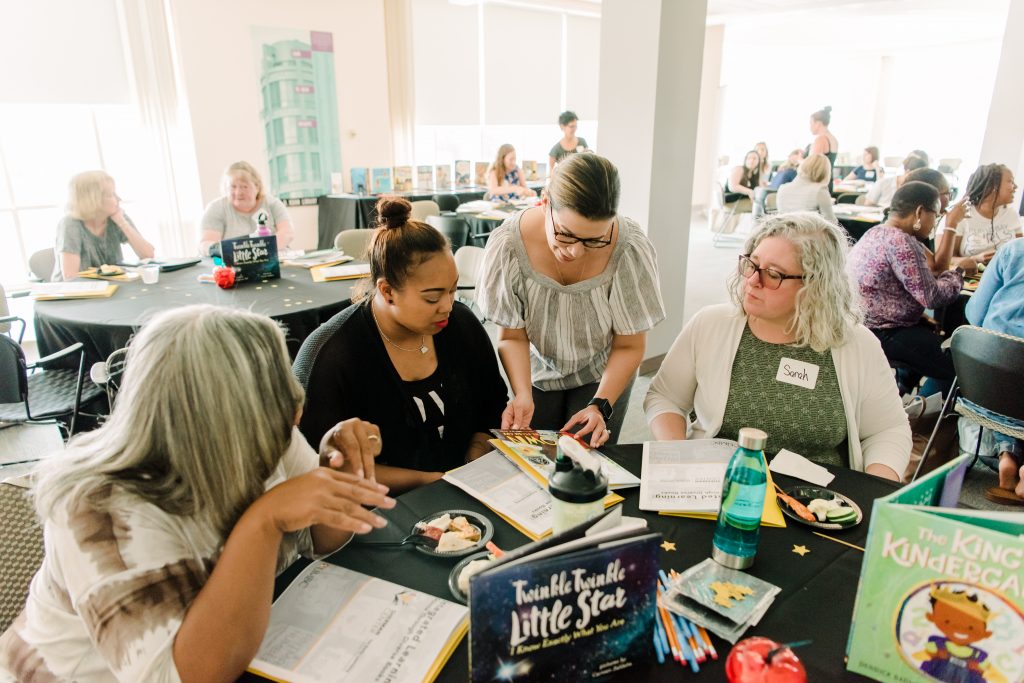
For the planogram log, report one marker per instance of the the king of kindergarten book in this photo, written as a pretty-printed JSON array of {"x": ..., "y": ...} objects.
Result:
[
  {"x": 567, "y": 608},
  {"x": 940, "y": 593}
]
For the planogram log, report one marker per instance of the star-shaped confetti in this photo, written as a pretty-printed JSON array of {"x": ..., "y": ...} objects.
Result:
[
  {"x": 668, "y": 545},
  {"x": 800, "y": 550}
]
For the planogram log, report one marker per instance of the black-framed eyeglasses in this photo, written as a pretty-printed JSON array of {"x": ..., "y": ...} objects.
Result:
[
  {"x": 567, "y": 238},
  {"x": 769, "y": 277}
]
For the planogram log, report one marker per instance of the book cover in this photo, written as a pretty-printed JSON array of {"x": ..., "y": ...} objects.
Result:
[
  {"x": 403, "y": 179},
  {"x": 530, "y": 171},
  {"x": 480, "y": 177},
  {"x": 535, "y": 451},
  {"x": 940, "y": 595},
  {"x": 425, "y": 177},
  {"x": 443, "y": 179},
  {"x": 253, "y": 258},
  {"x": 542, "y": 171},
  {"x": 462, "y": 177},
  {"x": 380, "y": 181},
  {"x": 535, "y": 619},
  {"x": 360, "y": 180}
]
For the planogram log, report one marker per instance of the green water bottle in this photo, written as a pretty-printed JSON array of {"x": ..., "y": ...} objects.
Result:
[{"x": 743, "y": 492}]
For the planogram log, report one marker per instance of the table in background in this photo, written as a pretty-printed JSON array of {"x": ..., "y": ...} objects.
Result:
[
  {"x": 481, "y": 227},
  {"x": 857, "y": 219},
  {"x": 818, "y": 588},
  {"x": 105, "y": 325}
]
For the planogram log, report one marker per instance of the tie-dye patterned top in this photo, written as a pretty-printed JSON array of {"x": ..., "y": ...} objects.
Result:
[
  {"x": 114, "y": 587},
  {"x": 891, "y": 271}
]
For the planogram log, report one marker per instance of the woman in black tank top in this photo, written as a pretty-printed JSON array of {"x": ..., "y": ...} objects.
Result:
[{"x": 824, "y": 142}]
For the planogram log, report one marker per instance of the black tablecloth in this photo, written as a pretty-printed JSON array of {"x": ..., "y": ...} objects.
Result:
[
  {"x": 482, "y": 228},
  {"x": 855, "y": 227},
  {"x": 818, "y": 588},
  {"x": 105, "y": 325}
]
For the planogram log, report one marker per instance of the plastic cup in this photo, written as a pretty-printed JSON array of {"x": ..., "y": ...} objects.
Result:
[{"x": 150, "y": 274}]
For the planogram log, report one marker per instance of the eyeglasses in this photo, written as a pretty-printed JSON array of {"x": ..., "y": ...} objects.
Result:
[
  {"x": 568, "y": 239},
  {"x": 769, "y": 277}
]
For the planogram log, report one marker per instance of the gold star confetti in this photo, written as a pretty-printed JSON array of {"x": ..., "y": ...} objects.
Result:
[
  {"x": 800, "y": 550},
  {"x": 668, "y": 545}
]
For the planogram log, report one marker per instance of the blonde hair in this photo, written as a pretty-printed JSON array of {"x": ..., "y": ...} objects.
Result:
[
  {"x": 202, "y": 419},
  {"x": 498, "y": 167},
  {"x": 246, "y": 171},
  {"x": 826, "y": 307},
  {"x": 85, "y": 194},
  {"x": 815, "y": 168}
]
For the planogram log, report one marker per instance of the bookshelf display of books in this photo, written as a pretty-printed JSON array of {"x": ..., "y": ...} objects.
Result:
[
  {"x": 425, "y": 177},
  {"x": 380, "y": 180},
  {"x": 403, "y": 179}
]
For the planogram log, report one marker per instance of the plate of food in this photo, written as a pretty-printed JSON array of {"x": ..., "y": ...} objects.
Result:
[
  {"x": 458, "y": 532},
  {"x": 820, "y": 508},
  {"x": 458, "y": 580}
]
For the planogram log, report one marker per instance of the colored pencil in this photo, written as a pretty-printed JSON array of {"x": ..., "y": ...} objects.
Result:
[
  {"x": 658, "y": 652},
  {"x": 666, "y": 644},
  {"x": 687, "y": 655},
  {"x": 666, "y": 624}
]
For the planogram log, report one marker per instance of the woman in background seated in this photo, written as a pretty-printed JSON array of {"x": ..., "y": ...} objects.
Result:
[
  {"x": 809, "y": 191},
  {"x": 891, "y": 267},
  {"x": 869, "y": 170},
  {"x": 746, "y": 178},
  {"x": 881, "y": 193},
  {"x": 243, "y": 210},
  {"x": 788, "y": 356},
  {"x": 504, "y": 179},
  {"x": 165, "y": 527},
  {"x": 983, "y": 220},
  {"x": 786, "y": 173},
  {"x": 765, "y": 170},
  {"x": 569, "y": 144},
  {"x": 408, "y": 358},
  {"x": 92, "y": 233}
]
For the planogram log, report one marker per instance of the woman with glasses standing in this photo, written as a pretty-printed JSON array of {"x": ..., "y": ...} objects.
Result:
[
  {"x": 574, "y": 288},
  {"x": 789, "y": 355}
]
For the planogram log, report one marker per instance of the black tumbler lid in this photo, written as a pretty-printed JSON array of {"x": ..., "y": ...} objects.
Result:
[{"x": 573, "y": 484}]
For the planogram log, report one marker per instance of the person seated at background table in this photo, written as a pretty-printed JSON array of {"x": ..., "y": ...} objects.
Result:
[
  {"x": 983, "y": 220},
  {"x": 998, "y": 304},
  {"x": 746, "y": 178},
  {"x": 243, "y": 209},
  {"x": 809, "y": 192},
  {"x": 164, "y": 528},
  {"x": 890, "y": 265},
  {"x": 504, "y": 179},
  {"x": 96, "y": 226},
  {"x": 408, "y": 358},
  {"x": 573, "y": 287},
  {"x": 789, "y": 355},
  {"x": 881, "y": 192},
  {"x": 870, "y": 170},
  {"x": 787, "y": 171},
  {"x": 569, "y": 144},
  {"x": 936, "y": 179},
  {"x": 765, "y": 170}
]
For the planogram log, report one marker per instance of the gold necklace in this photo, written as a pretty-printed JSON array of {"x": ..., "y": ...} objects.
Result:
[
  {"x": 423, "y": 338},
  {"x": 579, "y": 276}
]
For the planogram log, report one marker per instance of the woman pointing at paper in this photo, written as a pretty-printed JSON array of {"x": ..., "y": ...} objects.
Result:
[{"x": 789, "y": 356}]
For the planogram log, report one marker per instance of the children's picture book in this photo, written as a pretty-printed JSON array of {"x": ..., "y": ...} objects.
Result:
[
  {"x": 403, "y": 179},
  {"x": 542, "y": 170},
  {"x": 425, "y": 177},
  {"x": 530, "y": 171},
  {"x": 253, "y": 258},
  {"x": 535, "y": 450},
  {"x": 334, "y": 624},
  {"x": 360, "y": 180},
  {"x": 480, "y": 177},
  {"x": 443, "y": 179},
  {"x": 939, "y": 597},
  {"x": 462, "y": 177},
  {"x": 578, "y": 606},
  {"x": 380, "y": 180}
]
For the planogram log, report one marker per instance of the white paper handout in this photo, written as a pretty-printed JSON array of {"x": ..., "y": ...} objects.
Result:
[
  {"x": 795, "y": 465},
  {"x": 684, "y": 476},
  {"x": 346, "y": 271}
]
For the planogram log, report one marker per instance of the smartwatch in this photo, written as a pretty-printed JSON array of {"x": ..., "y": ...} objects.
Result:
[{"x": 604, "y": 406}]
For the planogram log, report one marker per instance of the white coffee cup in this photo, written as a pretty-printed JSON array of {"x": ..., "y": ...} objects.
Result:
[{"x": 150, "y": 273}]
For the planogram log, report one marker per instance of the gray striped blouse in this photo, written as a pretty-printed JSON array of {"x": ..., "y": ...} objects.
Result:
[{"x": 570, "y": 327}]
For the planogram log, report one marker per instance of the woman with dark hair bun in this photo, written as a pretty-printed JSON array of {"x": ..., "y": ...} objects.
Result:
[
  {"x": 891, "y": 267},
  {"x": 409, "y": 355},
  {"x": 824, "y": 142}
]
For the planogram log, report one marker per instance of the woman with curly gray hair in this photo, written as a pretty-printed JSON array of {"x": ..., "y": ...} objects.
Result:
[{"x": 789, "y": 356}]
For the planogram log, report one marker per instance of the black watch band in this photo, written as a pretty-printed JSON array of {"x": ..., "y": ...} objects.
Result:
[{"x": 604, "y": 406}]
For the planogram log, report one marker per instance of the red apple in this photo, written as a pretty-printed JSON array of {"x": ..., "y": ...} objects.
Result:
[{"x": 746, "y": 663}]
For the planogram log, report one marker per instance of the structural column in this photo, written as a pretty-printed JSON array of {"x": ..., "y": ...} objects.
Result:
[{"x": 1004, "y": 133}]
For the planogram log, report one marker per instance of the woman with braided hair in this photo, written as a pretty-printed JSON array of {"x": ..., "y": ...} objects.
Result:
[{"x": 983, "y": 220}]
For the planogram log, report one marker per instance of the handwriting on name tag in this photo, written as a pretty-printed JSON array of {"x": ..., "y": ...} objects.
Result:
[{"x": 797, "y": 373}]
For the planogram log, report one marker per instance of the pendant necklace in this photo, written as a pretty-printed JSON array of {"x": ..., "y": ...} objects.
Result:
[
  {"x": 423, "y": 349},
  {"x": 561, "y": 277}
]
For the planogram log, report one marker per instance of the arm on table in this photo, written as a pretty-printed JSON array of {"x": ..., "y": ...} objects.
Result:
[
  {"x": 670, "y": 395},
  {"x": 70, "y": 266}
]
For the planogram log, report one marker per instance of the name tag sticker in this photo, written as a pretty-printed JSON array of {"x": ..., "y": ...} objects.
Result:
[{"x": 797, "y": 373}]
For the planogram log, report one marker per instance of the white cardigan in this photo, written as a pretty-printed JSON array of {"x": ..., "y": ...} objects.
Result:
[{"x": 695, "y": 376}]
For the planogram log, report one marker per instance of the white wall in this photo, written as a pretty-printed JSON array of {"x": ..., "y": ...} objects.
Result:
[
  {"x": 708, "y": 118},
  {"x": 221, "y": 83}
]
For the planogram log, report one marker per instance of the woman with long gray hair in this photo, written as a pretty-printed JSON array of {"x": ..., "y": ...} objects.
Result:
[
  {"x": 789, "y": 356},
  {"x": 165, "y": 527}
]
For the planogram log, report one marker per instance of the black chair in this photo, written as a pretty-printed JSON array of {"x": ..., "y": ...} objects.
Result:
[
  {"x": 42, "y": 391},
  {"x": 989, "y": 374},
  {"x": 446, "y": 202},
  {"x": 455, "y": 228},
  {"x": 848, "y": 198},
  {"x": 6, "y": 319}
]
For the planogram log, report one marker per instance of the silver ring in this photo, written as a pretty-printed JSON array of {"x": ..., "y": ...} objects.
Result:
[{"x": 373, "y": 437}]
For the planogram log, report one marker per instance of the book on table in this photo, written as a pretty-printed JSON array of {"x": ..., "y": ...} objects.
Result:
[
  {"x": 425, "y": 177},
  {"x": 575, "y": 606},
  {"x": 253, "y": 258},
  {"x": 320, "y": 257},
  {"x": 940, "y": 591},
  {"x": 345, "y": 271},
  {"x": 334, "y": 624},
  {"x": 403, "y": 179},
  {"x": 535, "y": 450},
  {"x": 530, "y": 171},
  {"x": 443, "y": 179},
  {"x": 480, "y": 176},
  {"x": 380, "y": 180},
  {"x": 53, "y": 291},
  {"x": 462, "y": 177},
  {"x": 360, "y": 180}
]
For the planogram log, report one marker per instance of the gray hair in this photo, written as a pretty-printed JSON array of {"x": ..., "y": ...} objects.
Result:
[
  {"x": 202, "y": 419},
  {"x": 826, "y": 306}
]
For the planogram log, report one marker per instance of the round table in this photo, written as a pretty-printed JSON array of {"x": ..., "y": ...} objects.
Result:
[{"x": 105, "y": 325}]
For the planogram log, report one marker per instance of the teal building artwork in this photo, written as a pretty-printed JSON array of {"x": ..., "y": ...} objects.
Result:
[{"x": 299, "y": 111}]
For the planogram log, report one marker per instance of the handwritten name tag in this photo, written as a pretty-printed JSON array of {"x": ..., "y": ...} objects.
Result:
[{"x": 797, "y": 373}]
